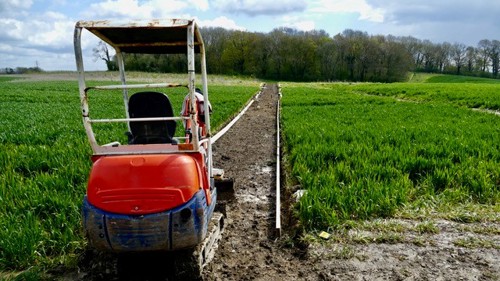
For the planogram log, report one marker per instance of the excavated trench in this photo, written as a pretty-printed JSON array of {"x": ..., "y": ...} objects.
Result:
[{"x": 249, "y": 249}]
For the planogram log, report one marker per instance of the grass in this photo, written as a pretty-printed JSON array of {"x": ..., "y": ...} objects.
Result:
[
  {"x": 362, "y": 152},
  {"x": 440, "y": 208},
  {"x": 427, "y": 227},
  {"x": 403, "y": 150},
  {"x": 459, "y": 79},
  {"x": 475, "y": 242},
  {"x": 482, "y": 229},
  {"x": 45, "y": 160},
  {"x": 420, "y": 77},
  {"x": 470, "y": 95}
]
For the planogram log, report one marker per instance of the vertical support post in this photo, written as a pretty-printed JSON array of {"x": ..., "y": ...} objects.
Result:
[
  {"x": 206, "y": 103},
  {"x": 82, "y": 86},
  {"x": 193, "y": 114},
  {"x": 79, "y": 66},
  {"x": 121, "y": 67}
]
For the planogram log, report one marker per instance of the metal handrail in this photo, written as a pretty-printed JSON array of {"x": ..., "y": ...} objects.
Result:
[
  {"x": 136, "y": 119},
  {"x": 135, "y": 86}
]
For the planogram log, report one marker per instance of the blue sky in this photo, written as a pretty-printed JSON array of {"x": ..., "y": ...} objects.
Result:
[{"x": 41, "y": 31}]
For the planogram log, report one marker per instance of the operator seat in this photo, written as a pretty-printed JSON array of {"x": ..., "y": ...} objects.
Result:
[{"x": 146, "y": 105}]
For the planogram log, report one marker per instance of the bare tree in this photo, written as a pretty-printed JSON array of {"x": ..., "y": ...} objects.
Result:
[
  {"x": 471, "y": 59},
  {"x": 495, "y": 57},
  {"x": 414, "y": 46},
  {"x": 458, "y": 52},
  {"x": 102, "y": 52},
  {"x": 484, "y": 49},
  {"x": 429, "y": 56},
  {"x": 442, "y": 54}
]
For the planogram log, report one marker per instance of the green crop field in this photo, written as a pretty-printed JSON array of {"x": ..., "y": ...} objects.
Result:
[
  {"x": 362, "y": 151},
  {"x": 412, "y": 150},
  {"x": 45, "y": 161},
  {"x": 472, "y": 95}
]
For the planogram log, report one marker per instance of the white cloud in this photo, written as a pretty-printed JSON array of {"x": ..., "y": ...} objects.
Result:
[
  {"x": 135, "y": 9},
  {"x": 459, "y": 11},
  {"x": 45, "y": 38},
  {"x": 221, "y": 22},
  {"x": 11, "y": 29},
  {"x": 305, "y": 25},
  {"x": 6, "y": 49},
  {"x": 30, "y": 57},
  {"x": 451, "y": 21},
  {"x": 42, "y": 30},
  {"x": 298, "y": 23},
  {"x": 31, "y": 31},
  {"x": 260, "y": 7},
  {"x": 14, "y": 5},
  {"x": 54, "y": 35},
  {"x": 365, "y": 11},
  {"x": 48, "y": 31},
  {"x": 201, "y": 5},
  {"x": 118, "y": 8}
]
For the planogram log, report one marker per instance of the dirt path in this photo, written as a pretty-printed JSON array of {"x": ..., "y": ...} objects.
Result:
[
  {"x": 246, "y": 152},
  {"x": 386, "y": 250}
]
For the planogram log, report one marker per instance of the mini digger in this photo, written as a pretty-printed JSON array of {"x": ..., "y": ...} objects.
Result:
[{"x": 157, "y": 191}]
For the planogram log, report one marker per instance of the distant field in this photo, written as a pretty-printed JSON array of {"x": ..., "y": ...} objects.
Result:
[
  {"x": 383, "y": 150},
  {"x": 471, "y": 92},
  {"x": 460, "y": 79},
  {"x": 443, "y": 78},
  {"x": 45, "y": 160}
]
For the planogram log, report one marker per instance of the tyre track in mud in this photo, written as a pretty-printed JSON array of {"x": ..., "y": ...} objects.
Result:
[{"x": 247, "y": 153}]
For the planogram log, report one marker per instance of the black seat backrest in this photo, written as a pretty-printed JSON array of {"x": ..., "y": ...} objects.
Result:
[{"x": 150, "y": 104}]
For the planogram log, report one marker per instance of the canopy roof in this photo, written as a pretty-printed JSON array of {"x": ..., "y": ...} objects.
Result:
[{"x": 146, "y": 37}]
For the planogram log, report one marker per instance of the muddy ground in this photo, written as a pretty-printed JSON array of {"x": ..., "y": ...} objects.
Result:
[{"x": 250, "y": 249}]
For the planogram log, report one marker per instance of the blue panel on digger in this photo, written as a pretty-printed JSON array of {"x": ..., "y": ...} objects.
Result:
[{"x": 182, "y": 227}]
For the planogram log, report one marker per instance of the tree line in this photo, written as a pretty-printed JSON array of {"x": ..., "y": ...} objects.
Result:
[
  {"x": 289, "y": 54},
  {"x": 20, "y": 70}
]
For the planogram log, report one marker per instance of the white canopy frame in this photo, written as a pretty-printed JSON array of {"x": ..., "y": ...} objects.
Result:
[{"x": 171, "y": 36}]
